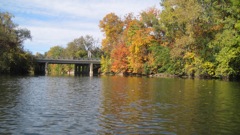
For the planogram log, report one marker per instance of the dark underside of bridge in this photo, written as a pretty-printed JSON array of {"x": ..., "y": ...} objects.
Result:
[
  {"x": 84, "y": 69},
  {"x": 86, "y": 66},
  {"x": 79, "y": 69}
]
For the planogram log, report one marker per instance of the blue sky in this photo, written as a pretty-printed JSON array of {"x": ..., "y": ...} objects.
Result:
[{"x": 58, "y": 22}]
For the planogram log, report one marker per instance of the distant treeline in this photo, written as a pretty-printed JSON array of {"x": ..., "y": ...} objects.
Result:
[
  {"x": 78, "y": 48},
  {"x": 197, "y": 38},
  {"x": 13, "y": 58},
  {"x": 82, "y": 47}
]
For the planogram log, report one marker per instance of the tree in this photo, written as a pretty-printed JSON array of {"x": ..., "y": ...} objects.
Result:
[
  {"x": 127, "y": 41},
  {"x": 13, "y": 58},
  {"x": 78, "y": 48},
  {"x": 112, "y": 26},
  {"x": 227, "y": 40},
  {"x": 120, "y": 59},
  {"x": 71, "y": 51},
  {"x": 189, "y": 28},
  {"x": 198, "y": 38},
  {"x": 83, "y": 46},
  {"x": 141, "y": 35},
  {"x": 56, "y": 52},
  {"x": 39, "y": 55}
]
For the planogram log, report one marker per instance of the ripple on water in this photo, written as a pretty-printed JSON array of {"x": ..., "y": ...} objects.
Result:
[{"x": 117, "y": 105}]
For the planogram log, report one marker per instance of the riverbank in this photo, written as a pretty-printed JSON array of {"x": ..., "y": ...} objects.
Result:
[{"x": 167, "y": 75}]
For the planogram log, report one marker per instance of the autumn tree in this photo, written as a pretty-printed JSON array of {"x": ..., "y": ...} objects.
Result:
[
  {"x": 189, "y": 29},
  {"x": 142, "y": 34},
  {"x": 150, "y": 19},
  {"x": 112, "y": 27},
  {"x": 130, "y": 39},
  {"x": 187, "y": 38},
  {"x": 119, "y": 57}
]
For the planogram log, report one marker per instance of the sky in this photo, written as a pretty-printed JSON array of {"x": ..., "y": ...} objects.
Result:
[{"x": 58, "y": 22}]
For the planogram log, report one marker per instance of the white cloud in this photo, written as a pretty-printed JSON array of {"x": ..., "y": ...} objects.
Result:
[
  {"x": 46, "y": 37},
  {"x": 86, "y": 8},
  {"x": 57, "y": 22}
]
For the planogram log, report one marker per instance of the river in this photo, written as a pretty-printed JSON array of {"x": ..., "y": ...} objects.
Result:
[{"x": 118, "y": 105}]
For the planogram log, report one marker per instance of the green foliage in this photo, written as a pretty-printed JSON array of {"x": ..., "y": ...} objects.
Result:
[
  {"x": 194, "y": 38},
  {"x": 79, "y": 48},
  {"x": 227, "y": 41},
  {"x": 81, "y": 53},
  {"x": 55, "y": 52},
  {"x": 161, "y": 56},
  {"x": 228, "y": 56},
  {"x": 76, "y": 49},
  {"x": 105, "y": 64},
  {"x": 13, "y": 58}
]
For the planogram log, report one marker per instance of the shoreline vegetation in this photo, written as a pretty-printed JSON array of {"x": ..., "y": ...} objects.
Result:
[
  {"x": 186, "y": 39},
  {"x": 13, "y": 58},
  {"x": 167, "y": 75}
]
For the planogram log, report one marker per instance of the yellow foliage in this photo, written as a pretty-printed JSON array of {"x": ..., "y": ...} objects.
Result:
[
  {"x": 189, "y": 55},
  {"x": 208, "y": 68}
]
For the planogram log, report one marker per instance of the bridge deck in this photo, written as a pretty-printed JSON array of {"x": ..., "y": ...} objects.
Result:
[{"x": 69, "y": 61}]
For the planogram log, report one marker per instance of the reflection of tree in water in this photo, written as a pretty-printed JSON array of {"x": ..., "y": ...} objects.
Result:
[
  {"x": 10, "y": 93},
  {"x": 127, "y": 106},
  {"x": 132, "y": 105}
]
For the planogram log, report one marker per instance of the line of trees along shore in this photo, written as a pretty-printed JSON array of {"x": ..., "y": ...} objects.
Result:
[{"x": 197, "y": 38}]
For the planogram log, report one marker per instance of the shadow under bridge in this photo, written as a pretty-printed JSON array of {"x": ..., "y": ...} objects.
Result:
[{"x": 84, "y": 66}]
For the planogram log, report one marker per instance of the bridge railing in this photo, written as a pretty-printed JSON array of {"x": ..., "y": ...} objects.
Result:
[{"x": 68, "y": 58}]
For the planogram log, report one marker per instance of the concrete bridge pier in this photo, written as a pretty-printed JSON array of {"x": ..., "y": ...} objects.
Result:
[
  {"x": 91, "y": 69},
  {"x": 83, "y": 69},
  {"x": 46, "y": 68}
]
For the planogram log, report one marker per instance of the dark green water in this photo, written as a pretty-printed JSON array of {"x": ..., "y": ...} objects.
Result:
[{"x": 118, "y": 105}]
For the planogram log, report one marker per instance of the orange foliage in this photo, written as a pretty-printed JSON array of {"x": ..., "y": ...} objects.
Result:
[
  {"x": 139, "y": 40},
  {"x": 119, "y": 56}
]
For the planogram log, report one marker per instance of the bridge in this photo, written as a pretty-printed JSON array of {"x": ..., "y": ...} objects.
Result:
[{"x": 82, "y": 66}]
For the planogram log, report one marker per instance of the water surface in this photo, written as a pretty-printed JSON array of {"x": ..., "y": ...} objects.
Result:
[{"x": 118, "y": 105}]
